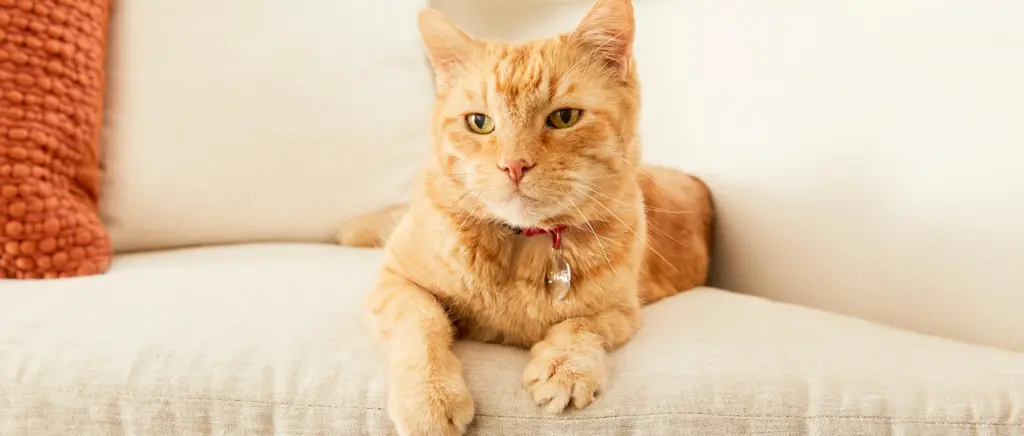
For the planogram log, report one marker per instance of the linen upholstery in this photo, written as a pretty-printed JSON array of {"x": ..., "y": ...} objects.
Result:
[{"x": 269, "y": 339}]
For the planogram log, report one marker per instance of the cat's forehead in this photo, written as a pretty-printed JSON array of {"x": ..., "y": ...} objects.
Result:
[
  {"x": 518, "y": 68},
  {"x": 522, "y": 77}
]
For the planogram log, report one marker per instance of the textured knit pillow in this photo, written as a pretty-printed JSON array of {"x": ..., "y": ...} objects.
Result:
[{"x": 51, "y": 92}]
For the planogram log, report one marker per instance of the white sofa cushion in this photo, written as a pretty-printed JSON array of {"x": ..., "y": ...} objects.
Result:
[
  {"x": 238, "y": 121},
  {"x": 864, "y": 156},
  {"x": 269, "y": 339}
]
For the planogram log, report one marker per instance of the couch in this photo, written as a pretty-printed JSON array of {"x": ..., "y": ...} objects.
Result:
[{"x": 864, "y": 158}]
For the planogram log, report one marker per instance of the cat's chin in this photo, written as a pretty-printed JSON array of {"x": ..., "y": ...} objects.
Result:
[{"x": 517, "y": 211}]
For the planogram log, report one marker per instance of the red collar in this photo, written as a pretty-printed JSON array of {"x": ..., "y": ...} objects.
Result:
[{"x": 556, "y": 234}]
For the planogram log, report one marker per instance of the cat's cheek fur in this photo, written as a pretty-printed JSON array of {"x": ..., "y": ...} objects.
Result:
[{"x": 460, "y": 146}]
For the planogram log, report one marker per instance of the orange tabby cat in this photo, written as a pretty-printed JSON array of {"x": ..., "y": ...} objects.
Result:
[{"x": 528, "y": 137}]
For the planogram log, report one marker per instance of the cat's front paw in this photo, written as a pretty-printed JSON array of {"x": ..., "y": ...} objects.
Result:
[
  {"x": 423, "y": 402},
  {"x": 557, "y": 376}
]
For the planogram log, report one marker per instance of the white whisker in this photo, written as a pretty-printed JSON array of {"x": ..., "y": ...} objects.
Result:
[
  {"x": 642, "y": 239},
  {"x": 600, "y": 244}
]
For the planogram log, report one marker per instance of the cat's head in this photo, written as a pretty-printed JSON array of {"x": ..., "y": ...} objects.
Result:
[{"x": 541, "y": 132}]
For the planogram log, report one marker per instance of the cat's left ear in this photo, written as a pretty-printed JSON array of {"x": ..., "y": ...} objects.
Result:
[
  {"x": 447, "y": 45},
  {"x": 607, "y": 31}
]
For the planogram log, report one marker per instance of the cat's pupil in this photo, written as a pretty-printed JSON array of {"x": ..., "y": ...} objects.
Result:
[
  {"x": 478, "y": 121},
  {"x": 565, "y": 115}
]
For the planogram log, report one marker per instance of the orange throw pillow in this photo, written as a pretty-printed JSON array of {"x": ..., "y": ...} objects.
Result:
[{"x": 52, "y": 55}]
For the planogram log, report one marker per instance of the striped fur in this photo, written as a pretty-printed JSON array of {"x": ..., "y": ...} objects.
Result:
[{"x": 454, "y": 266}]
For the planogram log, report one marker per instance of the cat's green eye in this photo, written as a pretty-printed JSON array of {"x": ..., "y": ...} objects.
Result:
[
  {"x": 563, "y": 118},
  {"x": 480, "y": 123}
]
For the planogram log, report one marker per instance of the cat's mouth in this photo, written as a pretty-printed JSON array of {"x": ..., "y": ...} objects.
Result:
[{"x": 519, "y": 195}]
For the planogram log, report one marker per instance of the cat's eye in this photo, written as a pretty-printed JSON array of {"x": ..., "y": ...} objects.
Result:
[
  {"x": 480, "y": 123},
  {"x": 563, "y": 118}
]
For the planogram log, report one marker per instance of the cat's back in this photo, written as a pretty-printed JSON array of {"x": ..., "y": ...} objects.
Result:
[{"x": 679, "y": 218}]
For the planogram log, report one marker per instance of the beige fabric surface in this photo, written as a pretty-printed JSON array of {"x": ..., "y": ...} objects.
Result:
[
  {"x": 268, "y": 340},
  {"x": 270, "y": 120}
]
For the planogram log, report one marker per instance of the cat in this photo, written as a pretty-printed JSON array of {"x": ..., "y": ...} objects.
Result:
[{"x": 528, "y": 137}]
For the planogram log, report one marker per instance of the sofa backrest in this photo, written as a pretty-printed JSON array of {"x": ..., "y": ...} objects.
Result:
[
  {"x": 245, "y": 121},
  {"x": 864, "y": 156}
]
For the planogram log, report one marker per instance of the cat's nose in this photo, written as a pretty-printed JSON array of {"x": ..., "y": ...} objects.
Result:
[{"x": 515, "y": 167}]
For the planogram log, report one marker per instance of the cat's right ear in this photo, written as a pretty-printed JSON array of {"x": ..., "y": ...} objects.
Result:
[{"x": 447, "y": 45}]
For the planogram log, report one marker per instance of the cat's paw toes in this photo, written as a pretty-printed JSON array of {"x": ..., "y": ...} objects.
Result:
[
  {"x": 436, "y": 405},
  {"x": 555, "y": 378}
]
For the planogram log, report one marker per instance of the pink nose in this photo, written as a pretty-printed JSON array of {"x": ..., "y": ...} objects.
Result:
[{"x": 515, "y": 168}]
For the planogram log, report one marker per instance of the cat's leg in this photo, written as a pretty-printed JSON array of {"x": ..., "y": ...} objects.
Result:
[
  {"x": 569, "y": 364},
  {"x": 371, "y": 230},
  {"x": 427, "y": 394}
]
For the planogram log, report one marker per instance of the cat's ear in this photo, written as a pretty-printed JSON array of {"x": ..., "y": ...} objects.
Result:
[
  {"x": 447, "y": 45},
  {"x": 607, "y": 31}
]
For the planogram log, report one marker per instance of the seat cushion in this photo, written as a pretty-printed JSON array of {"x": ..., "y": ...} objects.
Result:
[{"x": 269, "y": 339}]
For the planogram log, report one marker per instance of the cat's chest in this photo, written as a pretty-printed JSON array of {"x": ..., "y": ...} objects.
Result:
[
  {"x": 503, "y": 296},
  {"x": 516, "y": 270}
]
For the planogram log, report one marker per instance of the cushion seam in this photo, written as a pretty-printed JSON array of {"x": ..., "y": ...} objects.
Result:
[{"x": 128, "y": 395}]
